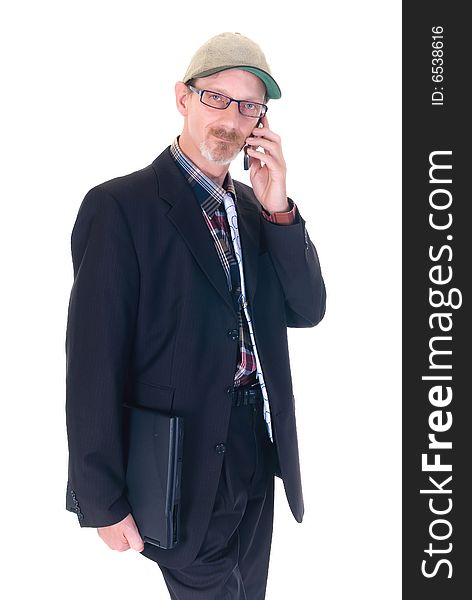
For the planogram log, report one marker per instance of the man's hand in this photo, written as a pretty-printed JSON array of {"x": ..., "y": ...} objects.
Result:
[
  {"x": 122, "y": 536},
  {"x": 268, "y": 181}
]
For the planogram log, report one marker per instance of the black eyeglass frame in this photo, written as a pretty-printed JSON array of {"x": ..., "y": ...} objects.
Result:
[{"x": 238, "y": 102}]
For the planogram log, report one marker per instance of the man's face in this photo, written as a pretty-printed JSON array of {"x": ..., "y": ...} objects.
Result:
[{"x": 220, "y": 135}]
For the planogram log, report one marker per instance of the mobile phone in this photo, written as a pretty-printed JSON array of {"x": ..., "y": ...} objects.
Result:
[{"x": 247, "y": 159}]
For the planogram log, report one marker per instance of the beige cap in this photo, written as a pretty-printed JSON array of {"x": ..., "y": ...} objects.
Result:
[{"x": 232, "y": 51}]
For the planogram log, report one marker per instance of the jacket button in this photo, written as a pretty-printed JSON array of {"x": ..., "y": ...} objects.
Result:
[
  {"x": 233, "y": 334},
  {"x": 220, "y": 448}
]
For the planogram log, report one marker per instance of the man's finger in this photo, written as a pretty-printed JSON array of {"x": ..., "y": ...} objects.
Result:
[
  {"x": 121, "y": 547},
  {"x": 134, "y": 539}
]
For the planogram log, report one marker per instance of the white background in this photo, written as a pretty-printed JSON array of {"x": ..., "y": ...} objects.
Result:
[{"x": 88, "y": 94}]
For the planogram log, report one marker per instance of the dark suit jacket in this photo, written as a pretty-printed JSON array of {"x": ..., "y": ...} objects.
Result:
[{"x": 151, "y": 320}]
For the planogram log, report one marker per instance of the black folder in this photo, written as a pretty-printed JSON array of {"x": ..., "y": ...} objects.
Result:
[{"x": 153, "y": 474}]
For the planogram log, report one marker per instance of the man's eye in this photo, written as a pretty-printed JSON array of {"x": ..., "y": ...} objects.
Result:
[
  {"x": 216, "y": 98},
  {"x": 249, "y": 105}
]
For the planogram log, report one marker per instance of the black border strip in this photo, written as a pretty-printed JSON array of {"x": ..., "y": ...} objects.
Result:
[{"x": 437, "y": 269}]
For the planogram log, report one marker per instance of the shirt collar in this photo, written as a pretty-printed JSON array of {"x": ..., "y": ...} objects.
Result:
[{"x": 197, "y": 177}]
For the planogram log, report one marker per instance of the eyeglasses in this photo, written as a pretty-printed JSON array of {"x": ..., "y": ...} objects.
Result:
[{"x": 220, "y": 101}]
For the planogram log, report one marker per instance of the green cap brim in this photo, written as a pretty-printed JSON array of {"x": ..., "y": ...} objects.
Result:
[{"x": 273, "y": 90}]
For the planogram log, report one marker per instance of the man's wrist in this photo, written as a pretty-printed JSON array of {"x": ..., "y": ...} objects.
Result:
[
  {"x": 288, "y": 208},
  {"x": 285, "y": 217}
]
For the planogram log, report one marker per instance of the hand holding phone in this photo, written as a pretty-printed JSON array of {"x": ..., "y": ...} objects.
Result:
[{"x": 269, "y": 173}]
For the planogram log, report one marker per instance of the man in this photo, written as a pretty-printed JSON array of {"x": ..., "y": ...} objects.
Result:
[{"x": 185, "y": 284}]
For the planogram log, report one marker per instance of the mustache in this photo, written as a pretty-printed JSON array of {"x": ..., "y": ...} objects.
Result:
[{"x": 227, "y": 135}]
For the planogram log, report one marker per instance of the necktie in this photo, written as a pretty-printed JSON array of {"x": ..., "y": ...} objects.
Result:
[{"x": 233, "y": 227}]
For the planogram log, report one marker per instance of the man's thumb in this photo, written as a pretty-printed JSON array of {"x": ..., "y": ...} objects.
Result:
[{"x": 134, "y": 539}]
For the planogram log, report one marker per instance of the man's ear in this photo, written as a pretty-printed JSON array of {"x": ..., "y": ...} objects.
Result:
[{"x": 182, "y": 97}]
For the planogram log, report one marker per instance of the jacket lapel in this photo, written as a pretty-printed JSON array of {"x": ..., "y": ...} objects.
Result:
[{"x": 187, "y": 217}]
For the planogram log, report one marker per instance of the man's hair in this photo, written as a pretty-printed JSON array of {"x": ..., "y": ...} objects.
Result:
[{"x": 266, "y": 99}]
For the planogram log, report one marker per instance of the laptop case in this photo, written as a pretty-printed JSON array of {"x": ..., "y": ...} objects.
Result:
[{"x": 153, "y": 474}]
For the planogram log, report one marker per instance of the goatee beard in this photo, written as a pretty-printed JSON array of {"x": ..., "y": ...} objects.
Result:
[{"x": 220, "y": 151}]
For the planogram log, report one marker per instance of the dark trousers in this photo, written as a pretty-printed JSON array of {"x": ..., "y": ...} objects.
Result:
[{"x": 233, "y": 561}]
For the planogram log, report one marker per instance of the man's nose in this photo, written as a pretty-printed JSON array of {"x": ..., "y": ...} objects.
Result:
[{"x": 232, "y": 116}]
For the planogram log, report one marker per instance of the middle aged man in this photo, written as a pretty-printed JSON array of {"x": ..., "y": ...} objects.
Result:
[{"x": 185, "y": 284}]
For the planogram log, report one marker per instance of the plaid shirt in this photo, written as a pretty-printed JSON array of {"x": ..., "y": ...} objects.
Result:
[{"x": 210, "y": 197}]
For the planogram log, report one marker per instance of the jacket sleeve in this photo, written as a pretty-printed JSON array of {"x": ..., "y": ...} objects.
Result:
[
  {"x": 100, "y": 329},
  {"x": 296, "y": 262}
]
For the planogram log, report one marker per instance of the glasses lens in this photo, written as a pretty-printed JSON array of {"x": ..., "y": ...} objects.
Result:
[
  {"x": 252, "y": 109},
  {"x": 215, "y": 100}
]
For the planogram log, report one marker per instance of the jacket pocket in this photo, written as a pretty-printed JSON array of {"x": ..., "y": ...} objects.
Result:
[{"x": 152, "y": 395}]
